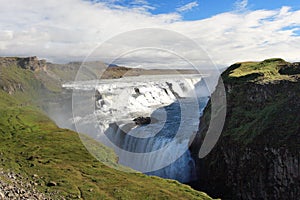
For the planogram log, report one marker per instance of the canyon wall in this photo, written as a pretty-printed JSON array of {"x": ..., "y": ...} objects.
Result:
[{"x": 257, "y": 156}]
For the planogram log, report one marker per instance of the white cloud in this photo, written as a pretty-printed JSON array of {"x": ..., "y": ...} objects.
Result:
[
  {"x": 63, "y": 31},
  {"x": 241, "y": 4},
  {"x": 140, "y": 2},
  {"x": 188, "y": 6},
  {"x": 142, "y": 6}
]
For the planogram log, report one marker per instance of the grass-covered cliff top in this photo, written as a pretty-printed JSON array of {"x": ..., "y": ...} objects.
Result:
[
  {"x": 54, "y": 159},
  {"x": 262, "y": 104},
  {"x": 269, "y": 70}
]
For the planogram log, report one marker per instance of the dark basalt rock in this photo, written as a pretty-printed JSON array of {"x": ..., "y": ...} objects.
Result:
[
  {"x": 258, "y": 153},
  {"x": 290, "y": 69},
  {"x": 142, "y": 120}
]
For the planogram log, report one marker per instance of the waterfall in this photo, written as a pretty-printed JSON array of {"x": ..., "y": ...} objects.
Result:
[{"x": 161, "y": 147}]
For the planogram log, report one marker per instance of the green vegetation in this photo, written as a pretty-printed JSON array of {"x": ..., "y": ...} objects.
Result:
[
  {"x": 16, "y": 81},
  {"x": 32, "y": 145},
  {"x": 260, "y": 144},
  {"x": 259, "y": 72},
  {"x": 262, "y": 103}
]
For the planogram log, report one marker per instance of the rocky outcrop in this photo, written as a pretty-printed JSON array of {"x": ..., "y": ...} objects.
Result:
[
  {"x": 13, "y": 87},
  {"x": 257, "y": 155},
  {"x": 290, "y": 69},
  {"x": 31, "y": 63},
  {"x": 14, "y": 186},
  {"x": 252, "y": 172},
  {"x": 142, "y": 120}
]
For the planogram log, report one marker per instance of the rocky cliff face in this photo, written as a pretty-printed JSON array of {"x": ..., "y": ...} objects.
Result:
[
  {"x": 31, "y": 63},
  {"x": 257, "y": 156}
]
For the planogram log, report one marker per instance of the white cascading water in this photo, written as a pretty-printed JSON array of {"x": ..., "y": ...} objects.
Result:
[{"x": 169, "y": 101}]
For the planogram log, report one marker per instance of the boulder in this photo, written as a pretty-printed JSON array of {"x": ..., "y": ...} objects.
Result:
[{"x": 142, "y": 120}]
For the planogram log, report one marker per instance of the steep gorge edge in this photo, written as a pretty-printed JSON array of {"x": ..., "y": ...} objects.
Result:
[
  {"x": 257, "y": 155},
  {"x": 54, "y": 159}
]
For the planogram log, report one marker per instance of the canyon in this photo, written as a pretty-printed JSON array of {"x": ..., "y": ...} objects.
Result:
[
  {"x": 256, "y": 156},
  {"x": 54, "y": 158},
  {"x": 159, "y": 148}
]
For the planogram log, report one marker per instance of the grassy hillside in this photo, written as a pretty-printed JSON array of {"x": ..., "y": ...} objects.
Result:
[{"x": 32, "y": 145}]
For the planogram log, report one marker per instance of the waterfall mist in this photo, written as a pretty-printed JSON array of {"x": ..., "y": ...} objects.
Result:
[{"x": 159, "y": 148}]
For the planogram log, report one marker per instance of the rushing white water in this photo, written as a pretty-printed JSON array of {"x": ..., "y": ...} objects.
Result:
[{"x": 161, "y": 147}]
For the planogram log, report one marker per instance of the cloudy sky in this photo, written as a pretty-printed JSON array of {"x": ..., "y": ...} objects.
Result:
[{"x": 151, "y": 33}]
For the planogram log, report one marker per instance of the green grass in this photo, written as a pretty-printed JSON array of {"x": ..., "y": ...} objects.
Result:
[
  {"x": 262, "y": 103},
  {"x": 259, "y": 72},
  {"x": 30, "y": 143},
  {"x": 273, "y": 121},
  {"x": 17, "y": 81}
]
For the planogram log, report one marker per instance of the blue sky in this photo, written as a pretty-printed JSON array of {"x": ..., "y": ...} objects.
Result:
[{"x": 200, "y": 9}]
